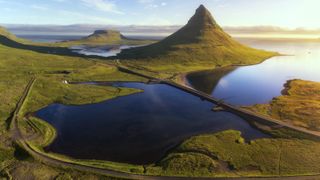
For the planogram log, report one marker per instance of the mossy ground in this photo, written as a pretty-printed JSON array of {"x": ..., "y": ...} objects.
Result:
[
  {"x": 17, "y": 67},
  {"x": 227, "y": 154},
  {"x": 299, "y": 105}
]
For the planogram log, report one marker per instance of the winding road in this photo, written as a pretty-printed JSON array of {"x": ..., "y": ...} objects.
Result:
[{"x": 43, "y": 157}]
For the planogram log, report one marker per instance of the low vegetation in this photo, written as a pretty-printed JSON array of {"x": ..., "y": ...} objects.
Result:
[
  {"x": 50, "y": 90},
  {"x": 228, "y": 154},
  {"x": 17, "y": 67},
  {"x": 299, "y": 105}
]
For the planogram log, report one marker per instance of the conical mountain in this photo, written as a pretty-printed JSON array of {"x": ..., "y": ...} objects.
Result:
[
  {"x": 201, "y": 43},
  {"x": 199, "y": 27}
]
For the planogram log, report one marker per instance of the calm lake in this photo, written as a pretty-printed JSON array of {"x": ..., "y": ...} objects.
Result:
[
  {"x": 103, "y": 51},
  {"x": 139, "y": 128},
  {"x": 260, "y": 83}
]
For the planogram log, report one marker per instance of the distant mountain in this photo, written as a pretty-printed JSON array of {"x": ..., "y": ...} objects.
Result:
[
  {"x": 138, "y": 30},
  {"x": 105, "y": 36},
  {"x": 99, "y": 37},
  {"x": 201, "y": 42}
]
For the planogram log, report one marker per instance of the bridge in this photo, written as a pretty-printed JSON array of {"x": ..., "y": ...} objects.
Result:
[
  {"x": 246, "y": 114},
  {"x": 45, "y": 158}
]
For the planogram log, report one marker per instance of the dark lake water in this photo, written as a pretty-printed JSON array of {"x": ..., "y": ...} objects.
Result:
[
  {"x": 260, "y": 83},
  {"x": 139, "y": 128}
]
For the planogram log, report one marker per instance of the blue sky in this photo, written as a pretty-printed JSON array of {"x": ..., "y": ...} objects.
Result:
[{"x": 284, "y": 13}]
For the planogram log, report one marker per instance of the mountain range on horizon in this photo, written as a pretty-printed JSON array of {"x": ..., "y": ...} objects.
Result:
[{"x": 86, "y": 29}]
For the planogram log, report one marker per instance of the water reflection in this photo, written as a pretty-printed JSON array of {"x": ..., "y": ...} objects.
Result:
[
  {"x": 206, "y": 81},
  {"x": 260, "y": 83},
  {"x": 138, "y": 128},
  {"x": 103, "y": 50}
]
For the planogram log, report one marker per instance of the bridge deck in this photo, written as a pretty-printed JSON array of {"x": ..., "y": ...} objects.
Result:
[{"x": 249, "y": 115}]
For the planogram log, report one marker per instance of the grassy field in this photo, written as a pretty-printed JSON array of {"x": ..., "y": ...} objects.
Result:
[
  {"x": 17, "y": 67},
  {"x": 228, "y": 154},
  {"x": 299, "y": 105},
  {"x": 50, "y": 90},
  {"x": 224, "y": 154}
]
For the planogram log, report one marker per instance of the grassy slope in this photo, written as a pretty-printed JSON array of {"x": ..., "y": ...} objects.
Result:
[
  {"x": 6, "y": 33},
  {"x": 227, "y": 154},
  {"x": 201, "y": 44},
  {"x": 299, "y": 105},
  {"x": 16, "y": 69}
]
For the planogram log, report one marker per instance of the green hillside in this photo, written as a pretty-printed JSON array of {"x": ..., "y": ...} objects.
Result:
[
  {"x": 5, "y": 33},
  {"x": 201, "y": 44}
]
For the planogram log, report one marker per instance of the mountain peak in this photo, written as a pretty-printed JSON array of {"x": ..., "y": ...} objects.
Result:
[
  {"x": 201, "y": 41},
  {"x": 203, "y": 19},
  {"x": 201, "y": 8}
]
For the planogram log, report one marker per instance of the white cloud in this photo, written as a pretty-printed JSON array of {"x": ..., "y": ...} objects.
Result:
[
  {"x": 87, "y": 18},
  {"x": 151, "y": 4},
  {"x": 102, "y": 5},
  {"x": 38, "y": 7},
  {"x": 145, "y": 1}
]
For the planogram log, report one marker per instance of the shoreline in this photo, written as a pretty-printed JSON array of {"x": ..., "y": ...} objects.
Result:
[{"x": 182, "y": 77}]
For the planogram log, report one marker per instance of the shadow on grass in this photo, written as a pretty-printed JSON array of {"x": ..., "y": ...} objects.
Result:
[{"x": 20, "y": 153}]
